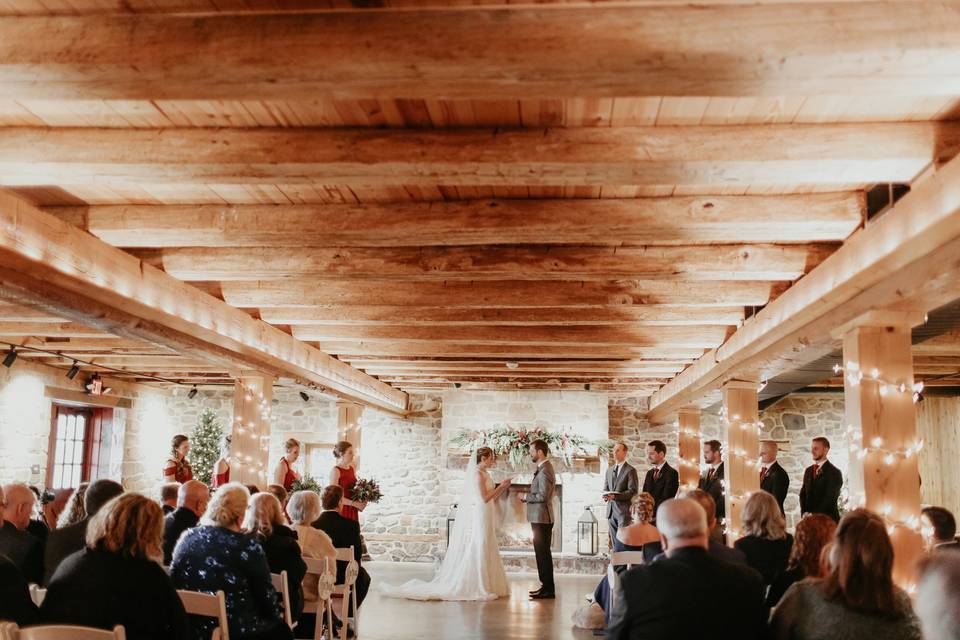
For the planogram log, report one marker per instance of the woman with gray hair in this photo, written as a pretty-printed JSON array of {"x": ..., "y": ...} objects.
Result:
[
  {"x": 766, "y": 543},
  {"x": 218, "y": 555}
]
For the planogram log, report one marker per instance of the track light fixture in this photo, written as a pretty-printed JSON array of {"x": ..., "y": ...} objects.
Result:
[
  {"x": 192, "y": 393},
  {"x": 304, "y": 396},
  {"x": 74, "y": 370},
  {"x": 11, "y": 357},
  {"x": 457, "y": 385},
  {"x": 586, "y": 387}
]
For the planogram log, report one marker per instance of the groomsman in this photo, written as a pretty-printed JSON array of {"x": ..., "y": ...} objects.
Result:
[
  {"x": 662, "y": 481},
  {"x": 821, "y": 483},
  {"x": 711, "y": 479},
  {"x": 619, "y": 487},
  {"x": 773, "y": 478}
]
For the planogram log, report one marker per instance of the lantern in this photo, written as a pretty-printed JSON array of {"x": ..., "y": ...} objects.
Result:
[
  {"x": 588, "y": 540},
  {"x": 451, "y": 518}
]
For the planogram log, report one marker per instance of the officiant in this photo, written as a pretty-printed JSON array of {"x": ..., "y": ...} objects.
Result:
[{"x": 620, "y": 485}]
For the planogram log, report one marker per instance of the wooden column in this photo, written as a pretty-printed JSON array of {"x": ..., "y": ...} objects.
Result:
[
  {"x": 881, "y": 419},
  {"x": 741, "y": 413},
  {"x": 688, "y": 422},
  {"x": 250, "y": 451},
  {"x": 348, "y": 426}
]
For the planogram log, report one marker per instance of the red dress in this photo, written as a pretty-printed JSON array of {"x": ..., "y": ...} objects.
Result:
[
  {"x": 220, "y": 479},
  {"x": 289, "y": 476},
  {"x": 178, "y": 471},
  {"x": 346, "y": 480}
]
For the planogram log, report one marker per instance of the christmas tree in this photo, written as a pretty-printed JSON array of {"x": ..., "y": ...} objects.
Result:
[{"x": 205, "y": 446}]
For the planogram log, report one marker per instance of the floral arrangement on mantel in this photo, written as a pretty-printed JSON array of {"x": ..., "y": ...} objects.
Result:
[{"x": 515, "y": 443}]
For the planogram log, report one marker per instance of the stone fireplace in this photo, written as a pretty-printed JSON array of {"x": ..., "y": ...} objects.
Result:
[{"x": 515, "y": 532}]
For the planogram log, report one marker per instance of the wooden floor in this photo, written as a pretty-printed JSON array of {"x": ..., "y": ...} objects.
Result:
[{"x": 513, "y": 617}]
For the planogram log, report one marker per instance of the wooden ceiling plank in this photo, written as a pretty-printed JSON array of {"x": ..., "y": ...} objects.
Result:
[{"x": 513, "y": 352}]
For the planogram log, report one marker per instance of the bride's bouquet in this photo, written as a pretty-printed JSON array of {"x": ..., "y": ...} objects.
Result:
[{"x": 366, "y": 491}]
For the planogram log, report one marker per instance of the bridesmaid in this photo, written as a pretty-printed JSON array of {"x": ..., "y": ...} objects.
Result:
[
  {"x": 221, "y": 470},
  {"x": 177, "y": 468},
  {"x": 345, "y": 476},
  {"x": 284, "y": 475}
]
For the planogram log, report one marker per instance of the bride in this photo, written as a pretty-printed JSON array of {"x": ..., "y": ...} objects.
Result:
[{"x": 472, "y": 568}]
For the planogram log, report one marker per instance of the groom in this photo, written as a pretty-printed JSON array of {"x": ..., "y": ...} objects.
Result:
[{"x": 540, "y": 514}]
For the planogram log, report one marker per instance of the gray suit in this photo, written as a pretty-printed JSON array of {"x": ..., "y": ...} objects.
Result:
[
  {"x": 626, "y": 484},
  {"x": 540, "y": 515}
]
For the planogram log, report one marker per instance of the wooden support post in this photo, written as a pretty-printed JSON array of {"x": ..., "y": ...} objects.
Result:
[
  {"x": 881, "y": 419},
  {"x": 348, "y": 426},
  {"x": 688, "y": 422},
  {"x": 741, "y": 416},
  {"x": 252, "y": 400}
]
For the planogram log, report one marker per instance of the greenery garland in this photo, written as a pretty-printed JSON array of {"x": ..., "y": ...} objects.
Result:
[{"x": 515, "y": 443}]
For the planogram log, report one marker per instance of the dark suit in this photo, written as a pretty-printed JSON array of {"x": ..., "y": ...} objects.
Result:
[
  {"x": 819, "y": 493},
  {"x": 15, "y": 602},
  {"x": 345, "y": 533},
  {"x": 24, "y": 549},
  {"x": 673, "y": 598},
  {"x": 173, "y": 527},
  {"x": 714, "y": 486},
  {"x": 625, "y": 485},
  {"x": 61, "y": 543},
  {"x": 284, "y": 554},
  {"x": 664, "y": 487},
  {"x": 776, "y": 482}
]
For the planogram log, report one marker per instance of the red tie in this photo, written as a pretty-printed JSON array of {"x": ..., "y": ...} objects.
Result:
[
  {"x": 710, "y": 474},
  {"x": 763, "y": 473},
  {"x": 656, "y": 474},
  {"x": 816, "y": 471}
]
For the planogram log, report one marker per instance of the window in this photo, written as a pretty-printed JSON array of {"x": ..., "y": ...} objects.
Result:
[{"x": 79, "y": 445}]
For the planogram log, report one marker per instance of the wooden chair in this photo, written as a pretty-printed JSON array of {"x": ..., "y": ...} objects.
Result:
[
  {"x": 280, "y": 583},
  {"x": 209, "y": 605},
  {"x": 326, "y": 573},
  {"x": 10, "y": 631},
  {"x": 617, "y": 559},
  {"x": 347, "y": 592},
  {"x": 37, "y": 594}
]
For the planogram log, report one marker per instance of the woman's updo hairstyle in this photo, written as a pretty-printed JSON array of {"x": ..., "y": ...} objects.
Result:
[
  {"x": 483, "y": 453},
  {"x": 341, "y": 448},
  {"x": 178, "y": 440},
  {"x": 291, "y": 444}
]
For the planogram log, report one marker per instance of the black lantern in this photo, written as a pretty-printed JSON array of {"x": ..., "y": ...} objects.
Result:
[
  {"x": 588, "y": 539},
  {"x": 451, "y": 518}
]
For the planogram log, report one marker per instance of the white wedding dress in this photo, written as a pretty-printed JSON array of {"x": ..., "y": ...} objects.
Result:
[{"x": 472, "y": 568}]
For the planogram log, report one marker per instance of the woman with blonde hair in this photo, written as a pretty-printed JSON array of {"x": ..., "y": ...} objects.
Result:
[
  {"x": 344, "y": 475},
  {"x": 218, "y": 555},
  {"x": 766, "y": 543},
  {"x": 74, "y": 511},
  {"x": 284, "y": 475},
  {"x": 267, "y": 523},
  {"x": 117, "y": 578}
]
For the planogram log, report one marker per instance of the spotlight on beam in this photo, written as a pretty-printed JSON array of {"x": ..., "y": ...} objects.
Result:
[
  {"x": 11, "y": 357},
  {"x": 74, "y": 370},
  {"x": 586, "y": 387},
  {"x": 304, "y": 396},
  {"x": 457, "y": 385},
  {"x": 192, "y": 393}
]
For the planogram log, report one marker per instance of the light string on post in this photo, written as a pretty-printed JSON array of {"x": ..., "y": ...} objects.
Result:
[
  {"x": 264, "y": 414},
  {"x": 854, "y": 375}
]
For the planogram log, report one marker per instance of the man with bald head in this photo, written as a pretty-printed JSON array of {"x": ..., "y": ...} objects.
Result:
[
  {"x": 773, "y": 478},
  {"x": 72, "y": 538},
  {"x": 673, "y": 597},
  {"x": 192, "y": 499},
  {"x": 15, "y": 602},
  {"x": 24, "y": 549}
]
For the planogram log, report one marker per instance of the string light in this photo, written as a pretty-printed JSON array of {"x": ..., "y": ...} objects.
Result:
[
  {"x": 876, "y": 447},
  {"x": 854, "y": 375}
]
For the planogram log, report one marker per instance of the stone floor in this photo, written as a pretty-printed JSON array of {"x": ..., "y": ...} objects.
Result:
[{"x": 514, "y": 617}]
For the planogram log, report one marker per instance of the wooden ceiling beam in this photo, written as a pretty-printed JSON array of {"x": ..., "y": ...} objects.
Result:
[
  {"x": 721, "y": 156},
  {"x": 47, "y": 263},
  {"x": 351, "y": 349},
  {"x": 312, "y": 292},
  {"x": 907, "y": 259},
  {"x": 349, "y": 315},
  {"x": 820, "y": 217},
  {"x": 20, "y": 313},
  {"x": 530, "y": 52},
  {"x": 626, "y": 380},
  {"x": 625, "y": 389},
  {"x": 51, "y": 329},
  {"x": 736, "y": 262}
]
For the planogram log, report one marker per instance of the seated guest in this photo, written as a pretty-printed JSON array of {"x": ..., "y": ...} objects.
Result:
[
  {"x": 344, "y": 533},
  {"x": 74, "y": 511},
  {"x": 942, "y": 528},
  {"x": 267, "y": 524},
  {"x": 168, "y": 497},
  {"x": 857, "y": 600},
  {"x": 638, "y": 536},
  {"x": 253, "y": 489},
  {"x": 674, "y": 598},
  {"x": 39, "y": 526},
  {"x": 15, "y": 602},
  {"x": 938, "y": 596},
  {"x": 192, "y": 499},
  {"x": 219, "y": 556},
  {"x": 72, "y": 538},
  {"x": 117, "y": 578},
  {"x": 303, "y": 509},
  {"x": 813, "y": 534},
  {"x": 767, "y": 543},
  {"x": 715, "y": 547},
  {"x": 23, "y": 548},
  {"x": 278, "y": 492}
]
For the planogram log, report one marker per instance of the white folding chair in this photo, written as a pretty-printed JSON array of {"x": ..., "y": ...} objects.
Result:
[
  {"x": 37, "y": 594},
  {"x": 279, "y": 581},
  {"x": 326, "y": 573},
  {"x": 10, "y": 631},
  {"x": 347, "y": 592},
  {"x": 617, "y": 559},
  {"x": 209, "y": 605}
]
